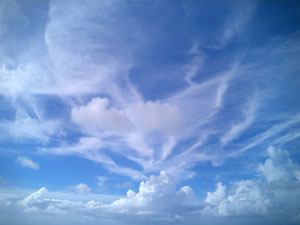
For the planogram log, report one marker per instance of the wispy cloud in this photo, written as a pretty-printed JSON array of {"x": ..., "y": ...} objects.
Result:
[
  {"x": 81, "y": 188},
  {"x": 269, "y": 133},
  {"x": 27, "y": 162},
  {"x": 234, "y": 24},
  {"x": 236, "y": 130}
]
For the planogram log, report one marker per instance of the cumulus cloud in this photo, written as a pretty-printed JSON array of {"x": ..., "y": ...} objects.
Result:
[
  {"x": 277, "y": 185},
  {"x": 159, "y": 199},
  {"x": 27, "y": 162},
  {"x": 278, "y": 168},
  {"x": 245, "y": 198},
  {"x": 157, "y": 196}
]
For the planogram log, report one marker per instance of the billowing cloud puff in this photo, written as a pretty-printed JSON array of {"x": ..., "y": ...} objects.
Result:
[
  {"x": 158, "y": 198},
  {"x": 245, "y": 198},
  {"x": 276, "y": 185},
  {"x": 277, "y": 168}
]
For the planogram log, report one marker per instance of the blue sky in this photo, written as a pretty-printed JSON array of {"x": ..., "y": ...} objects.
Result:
[{"x": 149, "y": 112}]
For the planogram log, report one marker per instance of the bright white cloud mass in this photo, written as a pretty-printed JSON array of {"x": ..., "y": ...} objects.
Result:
[{"x": 192, "y": 107}]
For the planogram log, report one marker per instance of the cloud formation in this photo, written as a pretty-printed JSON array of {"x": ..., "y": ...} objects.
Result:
[
  {"x": 278, "y": 182},
  {"x": 110, "y": 92},
  {"x": 158, "y": 199},
  {"x": 81, "y": 188},
  {"x": 27, "y": 162},
  {"x": 92, "y": 66}
]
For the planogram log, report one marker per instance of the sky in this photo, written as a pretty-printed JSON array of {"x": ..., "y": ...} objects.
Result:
[{"x": 164, "y": 112}]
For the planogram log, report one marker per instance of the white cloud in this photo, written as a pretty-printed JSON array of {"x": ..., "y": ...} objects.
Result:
[
  {"x": 194, "y": 66},
  {"x": 81, "y": 188},
  {"x": 157, "y": 196},
  {"x": 27, "y": 162},
  {"x": 159, "y": 200},
  {"x": 129, "y": 128},
  {"x": 278, "y": 168},
  {"x": 101, "y": 181},
  {"x": 25, "y": 127},
  {"x": 274, "y": 130},
  {"x": 6, "y": 199},
  {"x": 90, "y": 148},
  {"x": 126, "y": 184},
  {"x": 236, "y": 130},
  {"x": 216, "y": 197},
  {"x": 74, "y": 67},
  {"x": 278, "y": 186},
  {"x": 234, "y": 24},
  {"x": 97, "y": 117},
  {"x": 245, "y": 198},
  {"x": 161, "y": 117}
]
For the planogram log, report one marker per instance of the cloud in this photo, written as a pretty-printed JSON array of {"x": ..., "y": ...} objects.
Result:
[
  {"x": 81, "y": 188},
  {"x": 129, "y": 130},
  {"x": 161, "y": 117},
  {"x": 93, "y": 60},
  {"x": 25, "y": 127},
  {"x": 234, "y": 24},
  {"x": 158, "y": 199},
  {"x": 271, "y": 132},
  {"x": 236, "y": 130},
  {"x": 97, "y": 117},
  {"x": 101, "y": 181},
  {"x": 6, "y": 199},
  {"x": 27, "y": 162},
  {"x": 126, "y": 184},
  {"x": 90, "y": 148},
  {"x": 157, "y": 196},
  {"x": 194, "y": 66},
  {"x": 277, "y": 185},
  {"x": 279, "y": 167},
  {"x": 246, "y": 198}
]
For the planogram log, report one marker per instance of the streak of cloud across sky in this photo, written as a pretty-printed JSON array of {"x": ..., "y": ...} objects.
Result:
[{"x": 138, "y": 112}]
